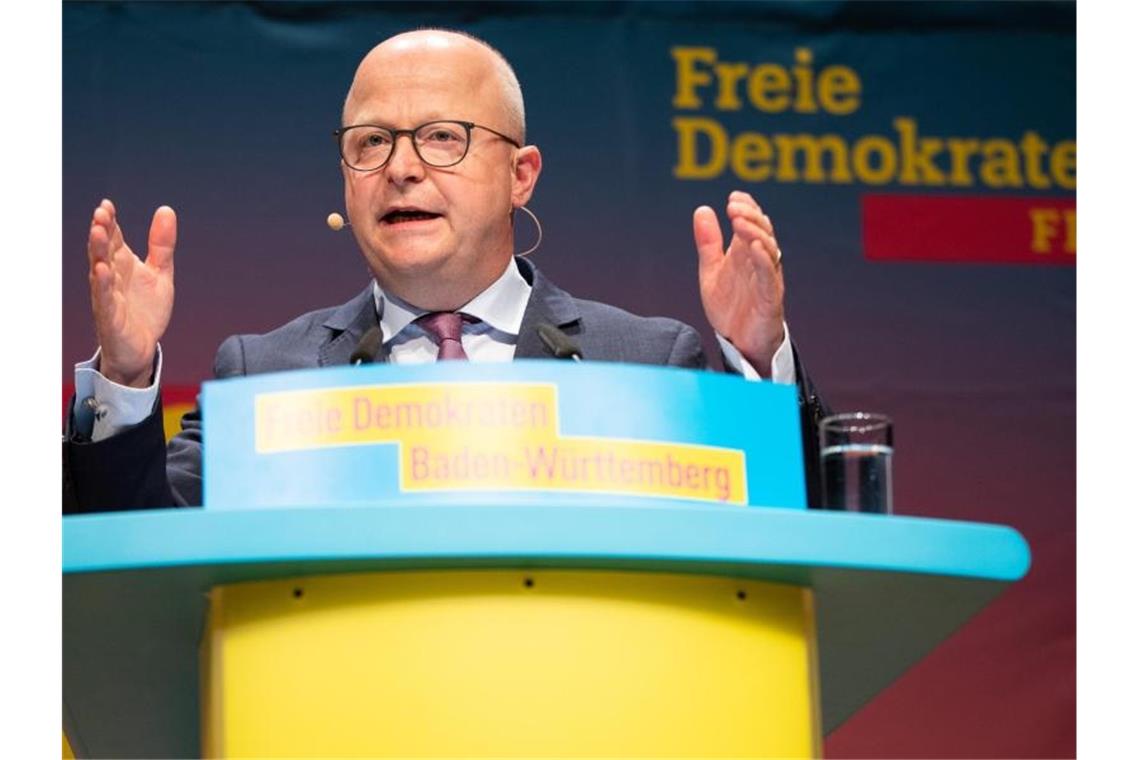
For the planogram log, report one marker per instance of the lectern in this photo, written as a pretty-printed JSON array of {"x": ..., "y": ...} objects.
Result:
[{"x": 519, "y": 560}]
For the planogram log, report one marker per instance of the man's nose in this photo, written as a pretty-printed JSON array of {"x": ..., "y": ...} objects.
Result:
[{"x": 404, "y": 165}]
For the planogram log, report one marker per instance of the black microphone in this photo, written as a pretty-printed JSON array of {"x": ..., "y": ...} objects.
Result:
[
  {"x": 366, "y": 349},
  {"x": 559, "y": 342}
]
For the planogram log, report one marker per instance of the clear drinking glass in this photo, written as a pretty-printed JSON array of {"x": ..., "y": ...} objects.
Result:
[{"x": 856, "y": 450}]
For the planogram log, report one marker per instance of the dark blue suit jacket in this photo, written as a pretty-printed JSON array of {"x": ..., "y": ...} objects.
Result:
[{"x": 137, "y": 470}]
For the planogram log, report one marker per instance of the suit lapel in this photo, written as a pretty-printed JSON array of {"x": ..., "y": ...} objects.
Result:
[
  {"x": 548, "y": 303},
  {"x": 348, "y": 325}
]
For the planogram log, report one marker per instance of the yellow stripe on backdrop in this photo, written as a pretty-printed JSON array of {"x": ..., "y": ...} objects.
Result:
[{"x": 172, "y": 417}]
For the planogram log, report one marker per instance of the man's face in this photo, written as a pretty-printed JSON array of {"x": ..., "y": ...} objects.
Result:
[{"x": 462, "y": 241}]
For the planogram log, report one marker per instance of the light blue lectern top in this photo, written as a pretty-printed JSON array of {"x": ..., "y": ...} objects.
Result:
[{"x": 784, "y": 544}]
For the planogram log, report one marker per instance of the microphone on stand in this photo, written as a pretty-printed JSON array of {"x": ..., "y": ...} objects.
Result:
[
  {"x": 559, "y": 342},
  {"x": 365, "y": 352}
]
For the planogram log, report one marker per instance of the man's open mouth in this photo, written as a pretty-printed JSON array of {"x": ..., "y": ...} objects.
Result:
[{"x": 407, "y": 215}]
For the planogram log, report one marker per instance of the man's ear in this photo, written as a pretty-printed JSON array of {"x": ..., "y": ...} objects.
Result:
[{"x": 528, "y": 165}]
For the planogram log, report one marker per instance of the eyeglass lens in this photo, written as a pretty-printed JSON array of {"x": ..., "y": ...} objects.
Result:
[{"x": 440, "y": 143}]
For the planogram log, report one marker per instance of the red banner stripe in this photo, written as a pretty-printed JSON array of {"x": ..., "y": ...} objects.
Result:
[{"x": 967, "y": 229}]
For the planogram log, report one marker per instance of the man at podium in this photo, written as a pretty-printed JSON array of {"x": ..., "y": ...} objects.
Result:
[{"x": 435, "y": 163}]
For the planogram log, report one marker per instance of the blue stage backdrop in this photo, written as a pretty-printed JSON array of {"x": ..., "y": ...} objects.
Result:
[{"x": 919, "y": 162}]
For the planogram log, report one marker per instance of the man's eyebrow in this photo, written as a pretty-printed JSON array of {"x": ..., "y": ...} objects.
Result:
[{"x": 381, "y": 122}]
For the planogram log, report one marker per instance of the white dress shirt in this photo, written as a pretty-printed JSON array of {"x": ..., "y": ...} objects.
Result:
[
  {"x": 499, "y": 308},
  {"x": 104, "y": 408}
]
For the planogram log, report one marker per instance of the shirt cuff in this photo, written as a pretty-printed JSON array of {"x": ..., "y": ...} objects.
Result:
[
  {"x": 783, "y": 367},
  {"x": 103, "y": 408}
]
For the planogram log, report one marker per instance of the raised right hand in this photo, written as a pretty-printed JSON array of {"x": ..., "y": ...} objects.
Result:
[{"x": 131, "y": 299}]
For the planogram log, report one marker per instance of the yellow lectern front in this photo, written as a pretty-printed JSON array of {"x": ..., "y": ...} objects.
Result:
[{"x": 505, "y": 663}]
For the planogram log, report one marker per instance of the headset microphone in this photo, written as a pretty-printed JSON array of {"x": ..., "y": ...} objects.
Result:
[{"x": 336, "y": 222}]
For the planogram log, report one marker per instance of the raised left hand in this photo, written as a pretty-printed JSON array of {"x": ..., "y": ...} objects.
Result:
[{"x": 742, "y": 288}]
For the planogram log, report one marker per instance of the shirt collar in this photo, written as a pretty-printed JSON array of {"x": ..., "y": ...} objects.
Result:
[{"x": 500, "y": 306}]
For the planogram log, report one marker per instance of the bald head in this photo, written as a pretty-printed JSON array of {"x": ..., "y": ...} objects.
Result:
[
  {"x": 482, "y": 67},
  {"x": 436, "y": 236}
]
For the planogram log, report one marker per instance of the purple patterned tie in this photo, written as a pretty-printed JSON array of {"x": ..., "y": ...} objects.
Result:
[{"x": 446, "y": 329}]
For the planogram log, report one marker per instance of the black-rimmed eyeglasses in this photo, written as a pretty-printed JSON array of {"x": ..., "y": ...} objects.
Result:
[{"x": 367, "y": 147}]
